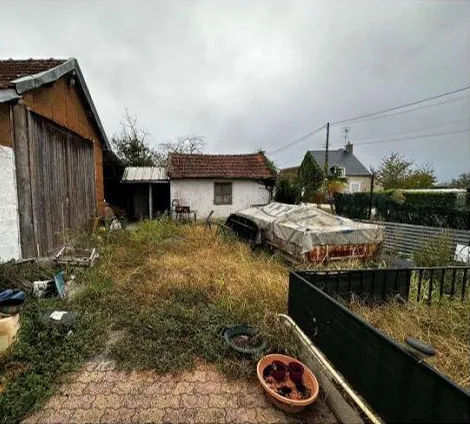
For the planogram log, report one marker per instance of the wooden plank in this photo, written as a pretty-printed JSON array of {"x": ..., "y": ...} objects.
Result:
[
  {"x": 33, "y": 169},
  {"x": 21, "y": 146}
]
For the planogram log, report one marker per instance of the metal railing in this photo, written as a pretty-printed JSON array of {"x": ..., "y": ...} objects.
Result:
[
  {"x": 422, "y": 284},
  {"x": 434, "y": 283}
]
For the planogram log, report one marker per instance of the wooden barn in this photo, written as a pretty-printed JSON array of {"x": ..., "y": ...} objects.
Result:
[{"x": 52, "y": 147}]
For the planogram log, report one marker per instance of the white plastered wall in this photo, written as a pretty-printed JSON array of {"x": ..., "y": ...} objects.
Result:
[
  {"x": 198, "y": 194},
  {"x": 9, "y": 220}
]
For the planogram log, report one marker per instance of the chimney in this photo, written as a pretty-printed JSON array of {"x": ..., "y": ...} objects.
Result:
[{"x": 349, "y": 148}]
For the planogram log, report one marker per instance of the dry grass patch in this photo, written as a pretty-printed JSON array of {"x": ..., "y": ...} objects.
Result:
[
  {"x": 186, "y": 285},
  {"x": 445, "y": 326}
]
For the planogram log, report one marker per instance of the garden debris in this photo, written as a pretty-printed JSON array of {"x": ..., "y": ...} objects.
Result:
[
  {"x": 53, "y": 287},
  {"x": 72, "y": 256},
  {"x": 21, "y": 274},
  {"x": 11, "y": 302},
  {"x": 462, "y": 253},
  {"x": 9, "y": 327},
  {"x": 63, "y": 319}
]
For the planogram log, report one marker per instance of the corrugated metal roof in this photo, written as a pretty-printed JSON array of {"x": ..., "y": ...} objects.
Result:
[{"x": 144, "y": 174}]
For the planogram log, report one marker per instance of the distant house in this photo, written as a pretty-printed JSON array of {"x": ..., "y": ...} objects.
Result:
[
  {"x": 52, "y": 150},
  {"x": 342, "y": 163},
  {"x": 222, "y": 183}
]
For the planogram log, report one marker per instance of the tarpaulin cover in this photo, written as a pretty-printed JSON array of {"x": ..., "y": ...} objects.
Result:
[{"x": 306, "y": 226}]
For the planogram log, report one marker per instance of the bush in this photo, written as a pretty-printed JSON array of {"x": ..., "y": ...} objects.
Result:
[
  {"x": 287, "y": 191},
  {"x": 354, "y": 206},
  {"x": 435, "y": 252}
]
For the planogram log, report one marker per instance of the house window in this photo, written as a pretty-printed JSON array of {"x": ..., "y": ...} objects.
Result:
[
  {"x": 340, "y": 172},
  {"x": 222, "y": 193},
  {"x": 355, "y": 187}
]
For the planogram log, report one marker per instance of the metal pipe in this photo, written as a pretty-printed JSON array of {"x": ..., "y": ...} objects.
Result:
[{"x": 337, "y": 377}]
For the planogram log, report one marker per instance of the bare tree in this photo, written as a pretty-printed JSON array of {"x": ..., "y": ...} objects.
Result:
[
  {"x": 130, "y": 144},
  {"x": 191, "y": 144}
]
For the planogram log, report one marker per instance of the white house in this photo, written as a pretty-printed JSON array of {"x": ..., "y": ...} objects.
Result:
[{"x": 222, "y": 183}]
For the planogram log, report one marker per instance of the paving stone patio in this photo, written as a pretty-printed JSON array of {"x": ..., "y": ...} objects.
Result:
[{"x": 99, "y": 393}]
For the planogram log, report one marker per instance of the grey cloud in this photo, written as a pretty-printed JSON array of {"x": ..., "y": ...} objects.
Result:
[{"x": 259, "y": 74}]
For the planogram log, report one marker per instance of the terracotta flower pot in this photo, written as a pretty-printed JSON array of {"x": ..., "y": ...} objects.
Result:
[{"x": 290, "y": 406}]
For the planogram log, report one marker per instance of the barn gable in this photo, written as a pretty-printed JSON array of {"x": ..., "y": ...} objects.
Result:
[{"x": 49, "y": 123}]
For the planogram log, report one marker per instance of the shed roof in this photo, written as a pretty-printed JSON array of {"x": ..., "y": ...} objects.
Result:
[
  {"x": 249, "y": 166},
  {"x": 341, "y": 157},
  {"x": 12, "y": 69},
  {"x": 20, "y": 76},
  {"x": 144, "y": 174}
]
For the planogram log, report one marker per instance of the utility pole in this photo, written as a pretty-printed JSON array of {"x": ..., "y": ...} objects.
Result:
[
  {"x": 327, "y": 145},
  {"x": 326, "y": 149}
]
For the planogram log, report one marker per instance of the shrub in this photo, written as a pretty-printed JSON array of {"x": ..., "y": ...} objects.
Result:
[
  {"x": 436, "y": 251},
  {"x": 354, "y": 206},
  {"x": 287, "y": 191}
]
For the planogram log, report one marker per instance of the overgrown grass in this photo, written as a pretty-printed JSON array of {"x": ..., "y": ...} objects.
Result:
[
  {"x": 29, "y": 372},
  {"x": 176, "y": 303},
  {"x": 444, "y": 325},
  {"x": 171, "y": 290}
]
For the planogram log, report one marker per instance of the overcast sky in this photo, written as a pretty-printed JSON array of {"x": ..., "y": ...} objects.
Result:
[{"x": 259, "y": 74}]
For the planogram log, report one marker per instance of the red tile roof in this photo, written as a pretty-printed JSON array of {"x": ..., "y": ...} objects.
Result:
[
  {"x": 12, "y": 69},
  {"x": 252, "y": 166}
]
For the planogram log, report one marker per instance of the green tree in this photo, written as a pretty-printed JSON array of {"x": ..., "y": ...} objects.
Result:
[
  {"x": 287, "y": 191},
  {"x": 310, "y": 178},
  {"x": 462, "y": 181},
  {"x": 396, "y": 171},
  {"x": 130, "y": 145}
]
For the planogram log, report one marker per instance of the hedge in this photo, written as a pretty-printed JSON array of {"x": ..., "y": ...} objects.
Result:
[
  {"x": 436, "y": 209},
  {"x": 354, "y": 206}
]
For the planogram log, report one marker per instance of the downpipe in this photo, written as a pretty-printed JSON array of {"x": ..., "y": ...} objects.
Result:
[{"x": 336, "y": 376}]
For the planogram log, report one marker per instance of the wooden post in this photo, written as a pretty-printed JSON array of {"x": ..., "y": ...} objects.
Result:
[
  {"x": 23, "y": 179},
  {"x": 150, "y": 201}
]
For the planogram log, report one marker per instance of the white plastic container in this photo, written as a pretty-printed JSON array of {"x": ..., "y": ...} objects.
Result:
[{"x": 9, "y": 327}]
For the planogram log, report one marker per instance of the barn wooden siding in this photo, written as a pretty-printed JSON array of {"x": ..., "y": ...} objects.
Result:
[
  {"x": 56, "y": 181},
  {"x": 5, "y": 128},
  {"x": 64, "y": 105}
]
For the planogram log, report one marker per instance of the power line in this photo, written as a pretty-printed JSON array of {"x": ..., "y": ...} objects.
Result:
[
  {"x": 411, "y": 110},
  {"x": 368, "y": 115},
  {"x": 411, "y": 138},
  {"x": 298, "y": 140},
  {"x": 411, "y": 131}
]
